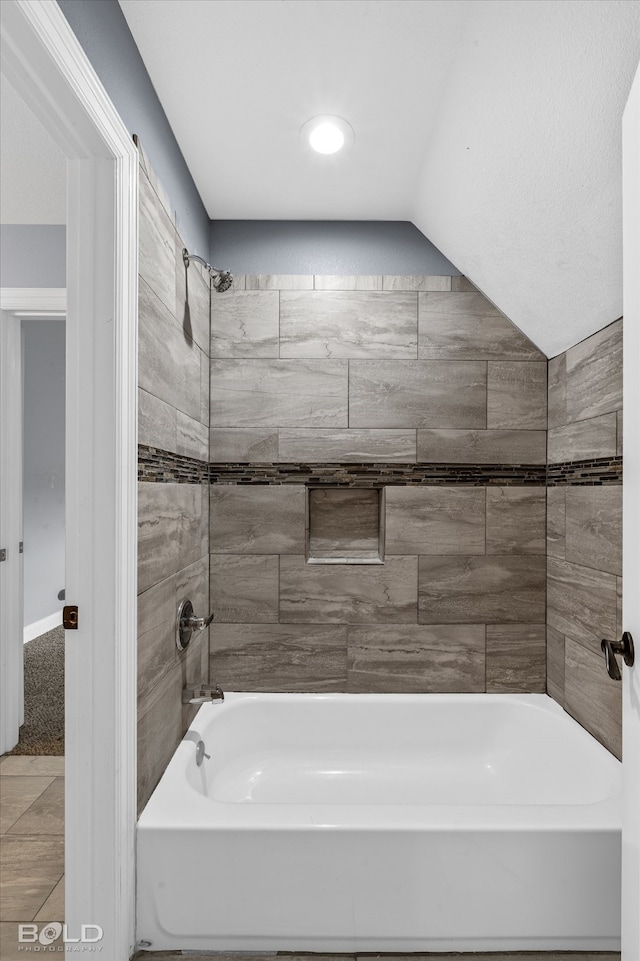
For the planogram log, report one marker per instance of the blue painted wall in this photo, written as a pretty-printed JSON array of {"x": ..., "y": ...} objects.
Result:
[
  {"x": 102, "y": 30},
  {"x": 284, "y": 247},
  {"x": 324, "y": 247},
  {"x": 33, "y": 255}
]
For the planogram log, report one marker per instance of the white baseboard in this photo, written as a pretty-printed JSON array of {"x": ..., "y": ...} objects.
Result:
[{"x": 42, "y": 626}]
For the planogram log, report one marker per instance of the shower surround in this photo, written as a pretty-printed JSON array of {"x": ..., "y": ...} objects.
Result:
[
  {"x": 584, "y": 530},
  {"x": 414, "y": 385},
  {"x": 173, "y": 516},
  {"x": 417, "y": 385}
]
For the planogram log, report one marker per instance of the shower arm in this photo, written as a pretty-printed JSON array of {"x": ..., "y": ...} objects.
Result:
[{"x": 221, "y": 279}]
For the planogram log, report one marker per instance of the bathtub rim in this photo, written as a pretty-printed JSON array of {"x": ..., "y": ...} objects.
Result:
[{"x": 177, "y": 805}]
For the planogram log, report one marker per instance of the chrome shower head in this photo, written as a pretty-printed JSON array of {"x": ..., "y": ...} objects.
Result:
[{"x": 221, "y": 279}]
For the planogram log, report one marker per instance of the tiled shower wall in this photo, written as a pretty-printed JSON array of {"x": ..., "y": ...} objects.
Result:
[
  {"x": 584, "y": 530},
  {"x": 173, "y": 533},
  {"x": 414, "y": 384}
]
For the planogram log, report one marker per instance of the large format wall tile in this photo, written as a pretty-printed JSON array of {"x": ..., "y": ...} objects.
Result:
[
  {"x": 477, "y": 395},
  {"x": 331, "y": 324},
  {"x": 594, "y": 527},
  {"x": 279, "y": 282},
  {"x": 555, "y": 665},
  {"x": 169, "y": 366},
  {"x": 245, "y": 324},
  {"x": 192, "y": 582},
  {"x": 193, "y": 297},
  {"x": 243, "y": 445},
  {"x": 346, "y": 446},
  {"x": 556, "y": 522},
  {"x": 279, "y": 393},
  {"x": 172, "y": 529},
  {"x": 192, "y": 437},
  {"x": 517, "y": 395},
  {"x": 619, "y": 624},
  {"x": 619, "y": 428},
  {"x": 348, "y": 282},
  {"x": 584, "y": 533},
  {"x": 205, "y": 388},
  {"x": 257, "y": 520},
  {"x": 159, "y": 733},
  {"x": 279, "y": 657},
  {"x": 157, "y": 422},
  {"x": 516, "y": 518},
  {"x": 244, "y": 588},
  {"x": 591, "y": 697},
  {"x": 415, "y": 282},
  {"x": 516, "y": 658},
  {"x": 595, "y": 437},
  {"x": 157, "y": 610},
  {"x": 157, "y": 246},
  {"x": 557, "y": 391},
  {"x": 416, "y": 658},
  {"x": 581, "y": 602},
  {"x": 462, "y": 284},
  {"x": 594, "y": 374},
  {"x": 332, "y": 594},
  {"x": 435, "y": 520},
  {"x": 173, "y": 534},
  {"x": 156, "y": 634},
  {"x": 482, "y": 446},
  {"x": 163, "y": 719},
  {"x": 387, "y": 393},
  {"x": 465, "y": 326},
  {"x": 494, "y": 589}
]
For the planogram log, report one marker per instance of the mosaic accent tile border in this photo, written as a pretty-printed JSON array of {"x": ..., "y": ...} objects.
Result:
[
  {"x": 375, "y": 475},
  {"x": 595, "y": 471},
  {"x": 163, "y": 467},
  {"x": 157, "y": 466}
]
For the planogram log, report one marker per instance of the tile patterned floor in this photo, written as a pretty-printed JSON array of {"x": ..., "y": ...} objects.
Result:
[
  {"x": 32, "y": 872},
  {"x": 31, "y": 848}
]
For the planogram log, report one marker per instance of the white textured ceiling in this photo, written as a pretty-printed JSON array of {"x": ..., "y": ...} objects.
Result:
[
  {"x": 493, "y": 124},
  {"x": 238, "y": 78},
  {"x": 521, "y": 185},
  {"x": 33, "y": 169}
]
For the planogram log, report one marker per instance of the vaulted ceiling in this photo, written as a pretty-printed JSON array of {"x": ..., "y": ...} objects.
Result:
[{"x": 494, "y": 125}]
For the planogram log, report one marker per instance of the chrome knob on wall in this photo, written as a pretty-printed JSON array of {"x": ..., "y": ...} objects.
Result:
[
  {"x": 187, "y": 623},
  {"x": 624, "y": 647}
]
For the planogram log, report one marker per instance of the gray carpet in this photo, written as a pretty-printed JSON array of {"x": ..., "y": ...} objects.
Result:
[{"x": 43, "y": 728}]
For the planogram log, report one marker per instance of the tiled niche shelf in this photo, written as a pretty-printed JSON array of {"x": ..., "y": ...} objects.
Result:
[{"x": 345, "y": 525}]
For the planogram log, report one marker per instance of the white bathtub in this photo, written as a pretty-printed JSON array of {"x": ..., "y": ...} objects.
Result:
[{"x": 398, "y": 823}]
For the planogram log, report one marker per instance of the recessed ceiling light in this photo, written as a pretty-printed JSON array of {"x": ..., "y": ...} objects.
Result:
[{"x": 327, "y": 134}]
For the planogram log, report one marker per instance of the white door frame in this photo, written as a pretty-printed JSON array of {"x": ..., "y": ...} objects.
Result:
[
  {"x": 11, "y": 618},
  {"x": 631, "y": 526},
  {"x": 15, "y": 303},
  {"x": 40, "y": 302},
  {"x": 47, "y": 66}
]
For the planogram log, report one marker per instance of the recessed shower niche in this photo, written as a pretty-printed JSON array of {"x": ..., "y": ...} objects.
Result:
[{"x": 345, "y": 525}]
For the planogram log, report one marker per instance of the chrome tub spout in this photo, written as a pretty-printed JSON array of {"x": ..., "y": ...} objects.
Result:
[{"x": 202, "y": 694}]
